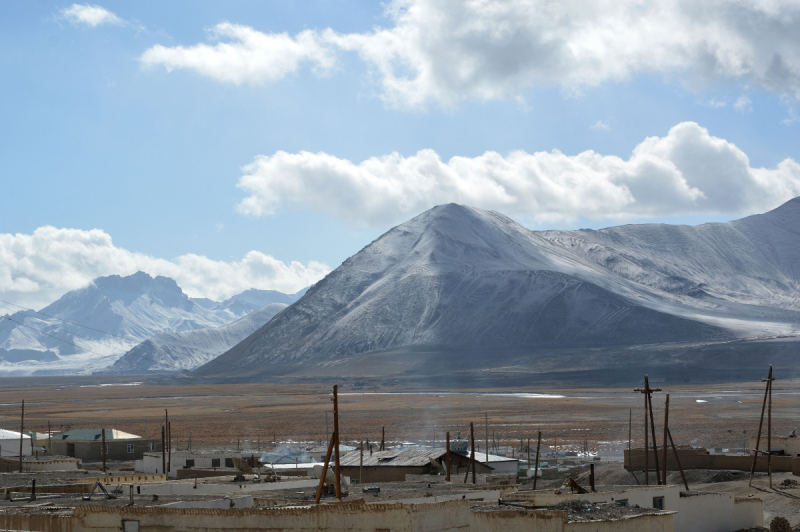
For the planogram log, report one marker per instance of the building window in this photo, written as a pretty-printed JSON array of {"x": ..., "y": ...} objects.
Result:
[
  {"x": 151, "y": 446},
  {"x": 229, "y": 462},
  {"x": 215, "y": 462},
  {"x": 622, "y": 502},
  {"x": 130, "y": 526},
  {"x": 130, "y": 447},
  {"x": 189, "y": 463},
  {"x": 658, "y": 503}
]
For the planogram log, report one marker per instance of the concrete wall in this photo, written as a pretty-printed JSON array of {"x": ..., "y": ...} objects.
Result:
[
  {"x": 698, "y": 459},
  {"x": 92, "y": 450},
  {"x": 383, "y": 473},
  {"x": 518, "y": 521},
  {"x": 639, "y": 523},
  {"x": 717, "y": 512},
  {"x": 790, "y": 446}
]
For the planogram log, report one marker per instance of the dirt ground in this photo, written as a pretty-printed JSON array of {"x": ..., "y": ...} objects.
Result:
[{"x": 218, "y": 416}]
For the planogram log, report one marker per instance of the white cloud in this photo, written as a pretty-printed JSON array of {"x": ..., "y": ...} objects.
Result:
[
  {"x": 743, "y": 103},
  {"x": 600, "y": 125},
  {"x": 36, "y": 269},
  {"x": 687, "y": 171},
  {"x": 447, "y": 51},
  {"x": 249, "y": 56},
  {"x": 90, "y": 15}
]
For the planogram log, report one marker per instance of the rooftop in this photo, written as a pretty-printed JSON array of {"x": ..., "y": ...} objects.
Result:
[
  {"x": 394, "y": 458},
  {"x": 96, "y": 434}
]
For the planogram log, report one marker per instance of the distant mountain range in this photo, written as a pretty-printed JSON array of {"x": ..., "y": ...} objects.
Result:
[
  {"x": 180, "y": 351},
  {"x": 89, "y": 328},
  {"x": 462, "y": 284}
]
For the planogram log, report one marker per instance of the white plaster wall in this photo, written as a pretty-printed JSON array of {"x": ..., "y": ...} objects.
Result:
[
  {"x": 187, "y": 488},
  {"x": 717, "y": 512},
  {"x": 10, "y": 447}
]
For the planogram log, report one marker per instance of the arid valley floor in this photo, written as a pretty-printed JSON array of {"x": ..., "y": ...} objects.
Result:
[{"x": 218, "y": 415}]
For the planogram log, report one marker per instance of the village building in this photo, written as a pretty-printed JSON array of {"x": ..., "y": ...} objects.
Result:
[
  {"x": 10, "y": 442},
  {"x": 394, "y": 465},
  {"x": 86, "y": 444}
]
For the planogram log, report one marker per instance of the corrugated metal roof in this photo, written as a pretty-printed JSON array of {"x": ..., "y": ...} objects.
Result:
[
  {"x": 96, "y": 434},
  {"x": 481, "y": 457},
  {"x": 394, "y": 458}
]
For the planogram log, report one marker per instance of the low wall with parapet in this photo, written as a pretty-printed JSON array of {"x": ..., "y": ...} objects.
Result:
[
  {"x": 699, "y": 459},
  {"x": 9, "y": 465}
]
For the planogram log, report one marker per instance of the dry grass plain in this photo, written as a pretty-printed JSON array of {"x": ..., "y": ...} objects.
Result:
[{"x": 218, "y": 415}]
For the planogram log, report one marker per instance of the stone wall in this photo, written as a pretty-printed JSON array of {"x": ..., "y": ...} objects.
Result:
[{"x": 698, "y": 459}]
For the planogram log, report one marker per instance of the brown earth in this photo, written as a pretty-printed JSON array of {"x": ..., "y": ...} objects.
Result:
[{"x": 218, "y": 415}]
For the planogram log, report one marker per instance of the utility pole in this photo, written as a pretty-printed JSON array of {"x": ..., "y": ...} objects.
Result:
[
  {"x": 447, "y": 458},
  {"x": 767, "y": 397},
  {"x": 21, "y": 432},
  {"x": 472, "y": 437},
  {"x": 487, "y": 437},
  {"x": 647, "y": 391},
  {"x": 49, "y": 439},
  {"x": 666, "y": 430},
  {"x": 103, "y": 449},
  {"x": 536, "y": 471},
  {"x": 327, "y": 433},
  {"x": 163, "y": 452},
  {"x": 336, "y": 433},
  {"x": 361, "y": 464},
  {"x": 383, "y": 439}
]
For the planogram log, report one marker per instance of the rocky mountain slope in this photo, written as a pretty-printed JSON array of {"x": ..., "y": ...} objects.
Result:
[
  {"x": 89, "y": 328},
  {"x": 181, "y": 351},
  {"x": 458, "y": 279}
]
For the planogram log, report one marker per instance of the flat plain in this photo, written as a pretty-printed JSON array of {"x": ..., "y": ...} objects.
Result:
[{"x": 220, "y": 415}]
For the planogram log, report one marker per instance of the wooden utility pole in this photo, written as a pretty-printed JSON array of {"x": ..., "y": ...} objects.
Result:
[
  {"x": 529, "y": 454},
  {"x": 383, "y": 439},
  {"x": 647, "y": 391},
  {"x": 169, "y": 446},
  {"x": 666, "y": 429},
  {"x": 336, "y": 432},
  {"x": 487, "y": 437},
  {"x": 103, "y": 449},
  {"x": 361, "y": 464},
  {"x": 21, "y": 433},
  {"x": 677, "y": 460},
  {"x": 472, "y": 454},
  {"x": 769, "y": 430},
  {"x": 536, "y": 471},
  {"x": 49, "y": 439},
  {"x": 767, "y": 396},
  {"x": 447, "y": 458},
  {"x": 325, "y": 469},
  {"x": 163, "y": 452}
]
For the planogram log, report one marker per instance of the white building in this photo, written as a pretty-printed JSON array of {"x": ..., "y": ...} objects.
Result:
[
  {"x": 499, "y": 464},
  {"x": 696, "y": 512},
  {"x": 9, "y": 444}
]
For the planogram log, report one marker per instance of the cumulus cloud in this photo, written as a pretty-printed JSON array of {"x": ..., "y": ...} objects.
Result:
[
  {"x": 686, "y": 171},
  {"x": 36, "y": 269},
  {"x": 89, "y": 15},
  {"x": 248, "y": 56},
  {"x": 447, "y": 51},
  {"x": 600, "y": 125}
]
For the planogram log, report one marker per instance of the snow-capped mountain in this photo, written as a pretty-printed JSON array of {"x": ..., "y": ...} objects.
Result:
[
  {"x": 89, "y": 328},
  {"x": 457, "y": 278},
  {"x": 253, "y": 299},
  {"x": 180, "y": 351}
]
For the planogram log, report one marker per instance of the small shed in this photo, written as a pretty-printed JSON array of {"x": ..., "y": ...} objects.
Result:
[
  {"x": 9, "y": 444},
  {"x": 394, "y": 465}
]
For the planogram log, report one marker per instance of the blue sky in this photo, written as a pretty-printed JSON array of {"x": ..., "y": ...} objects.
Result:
[{"x": 150, "y": 151}]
